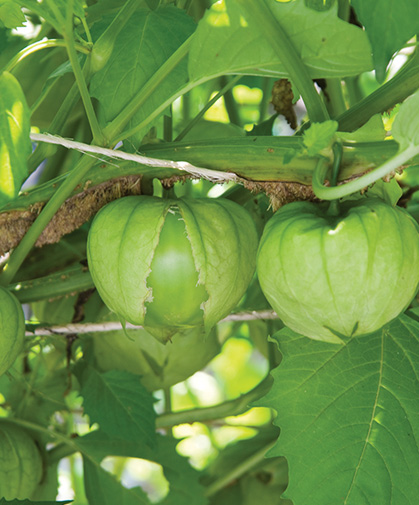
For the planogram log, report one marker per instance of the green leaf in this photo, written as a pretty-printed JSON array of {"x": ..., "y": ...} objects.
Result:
[
  {"x": 183, "y": 479},
  {"x": 371, "y": 131},
  {"x": 390, "y": 192},
  {"x": 103, "y": 489},
  {"x": 319, "y": 136},
  {"x": 406, "y": 125},
  {"x": 227, "y": 41},
  {"x": 147, "y": 41},
  {"x": 15, "y": 144},
  {"x": 119, "y": 403},
  {"x": 389, "y": 25},
  {"x": 349, "y": 417},
  {"x": 11, "y": 15}
]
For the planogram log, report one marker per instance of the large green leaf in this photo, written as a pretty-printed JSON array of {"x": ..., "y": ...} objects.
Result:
[
  {"x": 147, "y": 41},
  {"x": 228, "y": 41},
  {"x": 389, "y": 25},
  {"x": 184, "y": 487},
  {"x": 119, "y": 403},
  {"x": 15, "y": 144},
  {"x": 349, "y": 417}
]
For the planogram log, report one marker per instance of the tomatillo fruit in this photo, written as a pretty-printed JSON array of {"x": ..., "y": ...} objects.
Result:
[
  {"x": 172, "y": 264},
  {"x": 333, "y": 277}
]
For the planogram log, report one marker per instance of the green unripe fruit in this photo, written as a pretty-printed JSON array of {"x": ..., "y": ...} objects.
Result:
[
  {"x": 20, "y": 463},
  {"x": 171, "y": 265},
  {"x": 12, "y": 329},
  {"x": 331, "y": 277},
  {"x": 159, "y": 365}
]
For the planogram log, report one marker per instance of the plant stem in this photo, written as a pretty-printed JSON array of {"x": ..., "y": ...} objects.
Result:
[
  {"x": 332, "y": 193},
  {"x": 114, "y": 129},
  {"x": 335, "y": 100},
  {"x": 22, "y": 250},
  {"x": 228, "y": 86},
  {"x": 98, "y": 137},
  {"x": 229, "y": 408},
  {"x": 239, "y": 470},
  {"x": 397, "y": 89},
  {"x": 37, "y": 46},
  {"x": 262, "y": 14},
  {"x": 230, "y": 103}
]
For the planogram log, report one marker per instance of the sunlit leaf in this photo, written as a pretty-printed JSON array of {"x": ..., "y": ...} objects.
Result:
[
  {"x": 349, "y": 417},
  {"x": 229, "y": 41},
  {"x": 15, "y": 144},
  {"x": 389, "y": 25},
  {"x": 406, "y": 124},
  {"x": 11, "y": 15}
]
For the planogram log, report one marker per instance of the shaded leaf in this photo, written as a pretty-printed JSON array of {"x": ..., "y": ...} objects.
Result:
[
  {"x": 349, "y": 417},
  {"x": 228, "y": 41},
  {"x": 15, "y": 144},
  {"x": 149, "y": 38},
  {"x": 103, "y": 489},
  {"x": 182, "y": 478},
  {"x": 119, "y": 403},
  {"x": 406, "y": 124},
  {"x": 389, "y": 25}
]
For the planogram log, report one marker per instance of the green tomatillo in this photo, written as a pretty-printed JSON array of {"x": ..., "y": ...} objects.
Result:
[
  {"x": 172, "y": 264},
  {"x": 333, "y": 277},
  {"x": 12, "y": 329}
]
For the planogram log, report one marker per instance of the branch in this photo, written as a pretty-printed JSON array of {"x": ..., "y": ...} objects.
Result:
[
  {"x": 82, "y": 328},
  {"x": 75, "y": 211},
  {"x": 182, "y": 166}
]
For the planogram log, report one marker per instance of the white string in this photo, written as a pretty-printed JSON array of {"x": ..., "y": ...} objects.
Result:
[
  {"x": 81, "y": 328},
  {"x": 183, "y": 166}
]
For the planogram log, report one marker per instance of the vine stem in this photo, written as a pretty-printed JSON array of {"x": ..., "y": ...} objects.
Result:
[
  {"x": 262, "y": 14},
  {"x": 97, "y": 133},
  {"x": 334, "y": 192}
]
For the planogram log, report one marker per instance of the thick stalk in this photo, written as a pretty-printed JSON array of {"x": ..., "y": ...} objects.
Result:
[
  {"x": 262, "y": 14},
  {"x": 397, "y": 89}
]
